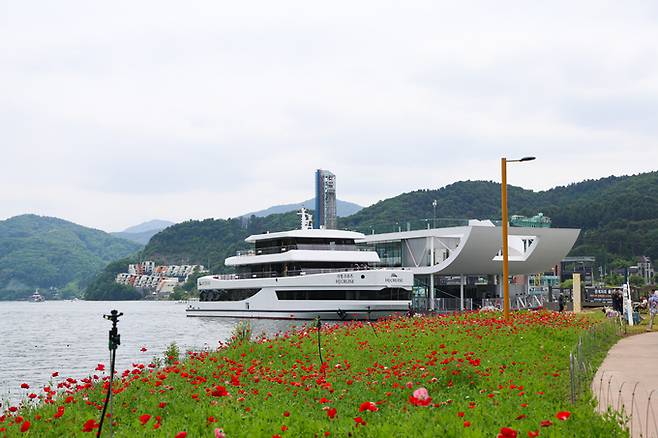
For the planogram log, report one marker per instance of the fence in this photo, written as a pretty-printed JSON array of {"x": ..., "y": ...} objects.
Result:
[
  {"x": 633, "y": 404},
  {"x": 588, "y": 353},
  {"x": 441, "y": 305},
  {"x": 516, "y": 303}
]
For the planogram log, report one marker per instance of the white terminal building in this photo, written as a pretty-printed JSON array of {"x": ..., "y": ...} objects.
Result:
[{"x": 464, "y": 263}]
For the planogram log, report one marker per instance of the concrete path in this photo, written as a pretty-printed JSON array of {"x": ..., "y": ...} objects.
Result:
[{"x": 628, "y": 380}]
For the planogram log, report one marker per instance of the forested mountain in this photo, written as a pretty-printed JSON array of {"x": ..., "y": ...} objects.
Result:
[
  {"x": 343, "y": 208},
  {"x": 143, "y": 232},
  {"x": 45, "y": 252},
  {"x": 154, "y": 224},
  {"x": 618, "y": 215}
]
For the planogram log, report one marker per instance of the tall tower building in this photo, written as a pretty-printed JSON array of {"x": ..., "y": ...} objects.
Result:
[{"x": 325, "y": 200}]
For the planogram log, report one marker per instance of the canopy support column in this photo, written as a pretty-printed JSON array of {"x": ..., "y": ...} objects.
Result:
[{"x": 461, "y": 292}]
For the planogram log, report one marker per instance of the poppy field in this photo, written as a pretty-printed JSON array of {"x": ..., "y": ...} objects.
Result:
[{"x": 469, "y": 374}]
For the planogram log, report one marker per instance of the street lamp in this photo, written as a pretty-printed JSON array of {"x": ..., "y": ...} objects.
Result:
[
  {"x": 434, "y": 217},
  {"x": 503, "y": 192}
]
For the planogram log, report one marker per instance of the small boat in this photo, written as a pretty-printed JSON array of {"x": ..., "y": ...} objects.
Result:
[{"x": 36, "y": 297}]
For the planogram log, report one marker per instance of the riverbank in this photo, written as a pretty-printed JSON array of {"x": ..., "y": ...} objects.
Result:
[
  {"x": 71, "y": 338},
  {"x": 461, "y": 375}
]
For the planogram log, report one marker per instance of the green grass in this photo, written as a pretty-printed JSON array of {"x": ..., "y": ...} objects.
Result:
[{"x": 479, "y": 371}]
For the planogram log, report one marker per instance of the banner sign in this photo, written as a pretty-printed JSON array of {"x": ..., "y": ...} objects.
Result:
[{"x": 599, "y": 296}]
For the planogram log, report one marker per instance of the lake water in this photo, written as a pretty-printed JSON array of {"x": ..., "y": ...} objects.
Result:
[{"x": 71, "y": 337}]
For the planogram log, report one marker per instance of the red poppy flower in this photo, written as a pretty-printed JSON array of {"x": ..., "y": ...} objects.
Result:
[
  {"x": 546, "y": 423},
  {"x": 144, "y": 419},
  {"x": 142, "y": 349},
  {"x": 162, "y": 404},
  {"x": 460, "y": 414},
  {"x": 89, "y": 426},
  {"x": 55, "y": 374},
  {"x": 368, "y": 406},
  {"x": 359, "y": 421},
  {"x": 506, "y": 432},
  {"x": 563, "y": 415},
  {"x": 533, "y": 433},
  {"x": 284, "y": 428},
  {"x": 331, "y": 412},
  {"x": 25, "y": 426},
  {"x": 286, "y": 414},
  {"x": 418, "y": 402},
  {"x": 60, "y": 412},
  {"x": 25, "y": 386},
  {"x": 219, "y": 391},
  {"x": 100, "y": 367},
  {"x": 182, "y": 434},
  {"x": 467, "y": 424},
  {"x": 212, "y": 419}
]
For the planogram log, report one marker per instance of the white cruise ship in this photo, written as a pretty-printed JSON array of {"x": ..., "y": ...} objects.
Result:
[{"x": 304, "y": 274}]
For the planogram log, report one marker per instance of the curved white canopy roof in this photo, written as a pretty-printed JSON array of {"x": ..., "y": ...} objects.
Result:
[{"x": 478, "y": 247}]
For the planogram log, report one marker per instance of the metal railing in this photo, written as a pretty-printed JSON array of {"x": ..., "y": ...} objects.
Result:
[
  {"x": 301, "y": 246},
  {"x": 441, "y": 305},
  {"x": 522, "y": 302},
  {"x": 634, "y": 404},
  {"x": 295, "y": 273}
]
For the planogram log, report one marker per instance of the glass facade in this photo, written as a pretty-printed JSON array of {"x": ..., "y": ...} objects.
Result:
[
  {"x": 390, "y": 254},
  {"x": 386, "y": 294},
  {"x": 227, "y": 294}
]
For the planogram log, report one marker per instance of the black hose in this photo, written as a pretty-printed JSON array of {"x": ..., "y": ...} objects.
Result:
[
  {"x": 113, "y": 355},
  {"x": 319, "y": 347},
  {"x": 114, "y": 342}
]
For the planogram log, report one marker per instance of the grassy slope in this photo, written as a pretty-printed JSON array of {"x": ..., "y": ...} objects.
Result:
[{"x": 497, "y": 375}]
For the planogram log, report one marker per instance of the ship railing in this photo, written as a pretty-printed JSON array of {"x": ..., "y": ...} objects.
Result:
[
  {"x": 295, "y": 273},
  {"x": 301, "y": 246}
]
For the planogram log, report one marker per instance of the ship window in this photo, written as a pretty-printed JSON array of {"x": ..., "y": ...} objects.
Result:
[
  {"x": 386, "y": 294},
  {"x": 227, "y": 294}
]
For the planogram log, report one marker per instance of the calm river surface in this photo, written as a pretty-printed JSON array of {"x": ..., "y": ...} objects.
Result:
[{"x": 71, "y": 337}]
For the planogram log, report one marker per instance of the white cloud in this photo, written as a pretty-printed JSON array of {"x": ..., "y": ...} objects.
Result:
[{"x": 180, "y": 110}]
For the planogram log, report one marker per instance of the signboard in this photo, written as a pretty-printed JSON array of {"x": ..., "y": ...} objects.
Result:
[
  {"x": 598, "y": 296},
  {"x": 628, "y": 304},
  {"x": 577, "y": 308}
]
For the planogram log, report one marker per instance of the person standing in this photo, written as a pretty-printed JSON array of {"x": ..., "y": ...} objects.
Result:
[
  {"x": 560, "y": 302},
  {"x": 618, "y": 302},
  {"x": 653, "y": 308}
]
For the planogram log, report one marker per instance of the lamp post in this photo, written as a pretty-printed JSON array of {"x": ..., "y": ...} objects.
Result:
[
  {"x": 434, "y": 217},
  {"x": 503, "y": 193}
]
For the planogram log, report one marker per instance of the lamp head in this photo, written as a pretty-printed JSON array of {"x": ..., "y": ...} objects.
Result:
[{"x": 527, "y": 159}]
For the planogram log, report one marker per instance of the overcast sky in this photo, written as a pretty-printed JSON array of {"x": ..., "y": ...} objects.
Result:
[{"x": 114, "y": 113}]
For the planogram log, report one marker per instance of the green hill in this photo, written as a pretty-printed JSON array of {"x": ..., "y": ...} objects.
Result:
[
  {"x": 618, "y": 215},
  {"x": 45, "y": 252}
]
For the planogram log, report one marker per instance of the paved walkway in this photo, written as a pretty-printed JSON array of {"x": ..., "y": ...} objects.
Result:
[{"x": 628, "y": 379}]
